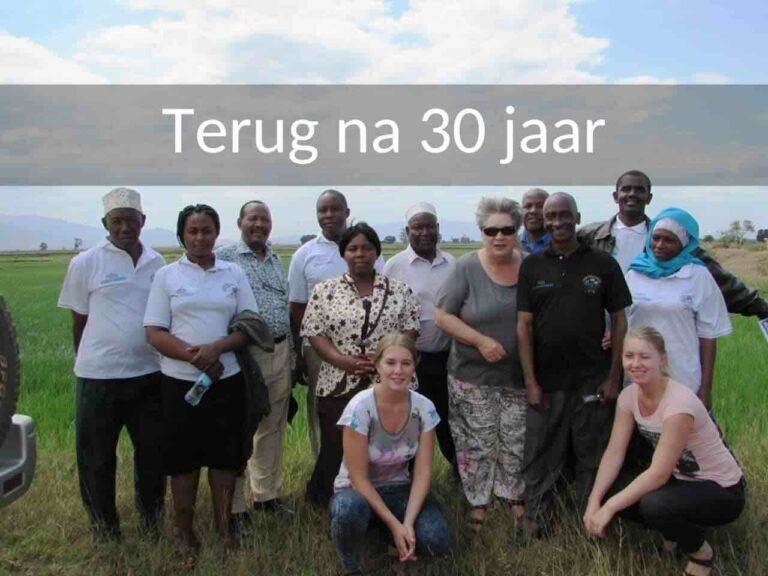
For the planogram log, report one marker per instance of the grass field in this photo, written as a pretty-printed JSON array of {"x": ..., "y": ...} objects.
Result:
[{"x": 47, "y": 533}]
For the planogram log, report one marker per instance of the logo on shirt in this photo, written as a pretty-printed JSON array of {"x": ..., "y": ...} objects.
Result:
[
  {"x": 113, "y": 278},
  {"x": 687, "y": 301},
  {"x": 181, "y": 292},
  {"x": 229, "y": 289},
  {"x": 591, "y": 284},
  {"x": 540, "y": 284}
]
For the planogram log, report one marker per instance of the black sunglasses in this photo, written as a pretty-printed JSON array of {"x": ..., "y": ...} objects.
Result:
[{"x": 494, "y": 231}]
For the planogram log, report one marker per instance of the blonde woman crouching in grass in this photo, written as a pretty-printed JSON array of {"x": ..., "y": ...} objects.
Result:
[
  {"x": 693, "y": 480},
  {"x": 384, "y": 428}
]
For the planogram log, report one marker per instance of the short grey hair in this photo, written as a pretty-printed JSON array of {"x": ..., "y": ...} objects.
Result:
[{"x": 488, "y": 206}]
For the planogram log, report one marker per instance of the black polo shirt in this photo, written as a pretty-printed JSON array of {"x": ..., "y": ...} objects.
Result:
[{"x": 568, "y": 297}]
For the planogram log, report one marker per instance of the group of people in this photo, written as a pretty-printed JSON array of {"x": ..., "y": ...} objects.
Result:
[{"x": 510, "y": 358}]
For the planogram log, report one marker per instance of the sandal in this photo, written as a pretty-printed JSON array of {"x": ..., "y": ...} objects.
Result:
[
  {"x": 476, "y": 518},
  {"x": 517, "y": 507},
  {"x": 707, "y": 563}
]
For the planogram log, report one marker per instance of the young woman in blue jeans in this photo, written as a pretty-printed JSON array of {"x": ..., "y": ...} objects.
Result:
[{"x": 384, "y": 428}]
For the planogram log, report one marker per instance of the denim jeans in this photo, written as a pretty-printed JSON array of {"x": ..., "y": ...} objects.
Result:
[{"x": 351, "y": 516}]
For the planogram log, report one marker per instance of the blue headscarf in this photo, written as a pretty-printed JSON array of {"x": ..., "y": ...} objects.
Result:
[{"x": 646, "y": 263}]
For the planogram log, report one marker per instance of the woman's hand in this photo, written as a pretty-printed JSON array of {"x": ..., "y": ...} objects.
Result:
[
  {"x": 215, "y": 372},
  {"x": 405, "y": 541},
  {"x": 596, "y": 522},
  {"x": 204, "y": 356},
  {"x": 356, "y": 364},
  {"x": 592, "y": 509},
  {"x": 491, "y": 350}
]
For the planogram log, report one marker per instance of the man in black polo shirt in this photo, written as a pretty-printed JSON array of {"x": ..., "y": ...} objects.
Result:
[{"x": 563, "y": 295}]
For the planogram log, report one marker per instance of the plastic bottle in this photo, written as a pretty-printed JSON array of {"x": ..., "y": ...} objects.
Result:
[{"x": 195, "y": 394}]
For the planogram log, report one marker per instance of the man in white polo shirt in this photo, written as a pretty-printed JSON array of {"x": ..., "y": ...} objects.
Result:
[
  {"x": 118, "y": 373},
  {"x": 316, "y": 261},
  {"x": 424, "y": 268}
]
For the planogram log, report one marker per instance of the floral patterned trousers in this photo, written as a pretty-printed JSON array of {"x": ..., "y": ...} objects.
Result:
[{"x": 488, "y": 427}]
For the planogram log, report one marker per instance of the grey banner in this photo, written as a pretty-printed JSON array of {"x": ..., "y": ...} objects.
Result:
[{"x": 391, "y": 135}]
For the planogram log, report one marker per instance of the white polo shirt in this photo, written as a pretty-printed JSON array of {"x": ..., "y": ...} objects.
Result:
[
  {"x": 424, "y": 278},
  {"x": 314, "y": 262},
  {"x": 104, "y": 284},
  {"x": 684, "y": 307},
  {"x": 630, "y": 242},
  {"x": 197, "y": 306}
]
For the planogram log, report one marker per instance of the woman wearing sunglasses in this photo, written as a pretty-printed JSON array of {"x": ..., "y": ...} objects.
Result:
[{"x": 477, "y": 307}]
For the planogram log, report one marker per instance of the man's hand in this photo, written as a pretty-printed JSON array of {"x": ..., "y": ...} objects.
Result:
[
  {"x": 706, "y": 398},
  {"x": 609, "y": 390},
  {"x": 300, "y": 374},
  {"x": 491, "y": 350},
  {"x": 606, "y": 343},
  {"x": 536, "y": 397}
]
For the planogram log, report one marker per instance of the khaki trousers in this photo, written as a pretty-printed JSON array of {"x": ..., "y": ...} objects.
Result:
[{"x": 264, "y": 469}]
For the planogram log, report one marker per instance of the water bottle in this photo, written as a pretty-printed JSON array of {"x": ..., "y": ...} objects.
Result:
[{"x": 195, "y": 394}]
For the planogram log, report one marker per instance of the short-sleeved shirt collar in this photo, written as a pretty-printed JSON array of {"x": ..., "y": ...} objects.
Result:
[
  {"x": 580, "y": 249},
  {"x": 147, "y": 254},
  {"x": 243, "y": 248},
  {"x": 218, "y": 264},
  {"x": 323, "y": 240},
  {"x": 641, "y": 228},
  {"x": 412, "y": 256}
]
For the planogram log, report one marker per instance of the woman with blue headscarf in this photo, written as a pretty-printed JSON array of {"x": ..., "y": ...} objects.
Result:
[{"x": 674, "y": 292}]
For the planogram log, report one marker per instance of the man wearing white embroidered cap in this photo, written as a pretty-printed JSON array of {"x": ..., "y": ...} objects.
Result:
[
  {"x": 106, "y": 289},
  {"x": 424, "y": 268}
]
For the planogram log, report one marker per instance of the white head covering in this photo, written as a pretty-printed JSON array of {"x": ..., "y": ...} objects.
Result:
[
  {"x": 675, "y": 227},
  {"x": 122, "y": 198},
  {"x": 420, "y": 208}
]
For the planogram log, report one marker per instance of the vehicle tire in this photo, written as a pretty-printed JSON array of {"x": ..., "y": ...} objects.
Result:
[{"x": 9, "y": 370}]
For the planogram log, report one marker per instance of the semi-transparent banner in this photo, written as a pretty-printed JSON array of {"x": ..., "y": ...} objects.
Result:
[{"x": 382, "y": 135}]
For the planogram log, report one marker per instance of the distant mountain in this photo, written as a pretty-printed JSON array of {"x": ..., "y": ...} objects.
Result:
[
  {"x": 448, "y": 229},
  {"x": 27, "y": 232}
]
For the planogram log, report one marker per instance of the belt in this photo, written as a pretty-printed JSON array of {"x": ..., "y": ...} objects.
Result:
[{"x": 280, "y": 338}]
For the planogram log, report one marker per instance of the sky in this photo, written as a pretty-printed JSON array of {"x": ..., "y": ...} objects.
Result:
[{"x": 379, "y": 42}]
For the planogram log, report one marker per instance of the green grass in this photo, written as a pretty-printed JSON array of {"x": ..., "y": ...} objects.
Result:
[{"x": 46, "y": 532}]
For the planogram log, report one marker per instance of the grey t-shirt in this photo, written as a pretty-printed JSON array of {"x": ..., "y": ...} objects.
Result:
[{"x": 489, "y": 308}]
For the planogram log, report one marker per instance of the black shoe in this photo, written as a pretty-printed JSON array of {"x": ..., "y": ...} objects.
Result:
[
  {"x": 239, "y": 524},
  {"x": 274, "y": 505}
]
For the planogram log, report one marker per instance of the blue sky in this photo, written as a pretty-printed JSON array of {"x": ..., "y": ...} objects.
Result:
[{"x": 372, "y": 41}]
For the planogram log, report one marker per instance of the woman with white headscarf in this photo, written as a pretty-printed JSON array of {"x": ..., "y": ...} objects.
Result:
[{"x": 673, "y": 291}]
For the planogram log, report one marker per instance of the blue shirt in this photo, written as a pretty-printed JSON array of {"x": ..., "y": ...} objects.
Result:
[{"x": 535, "y": 246}]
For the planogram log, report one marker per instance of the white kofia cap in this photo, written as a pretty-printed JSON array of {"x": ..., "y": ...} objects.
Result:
[
  {"x": 122, "y": 198},
  {"x": 420, "y": 208}
]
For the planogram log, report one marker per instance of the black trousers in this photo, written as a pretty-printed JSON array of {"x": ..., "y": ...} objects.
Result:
[
  {"x": 568, "y": 431},
  {"x": 320, "y": 485},
  {"x": 681, "y": 509},
  {"x": 432, "y": 373},
  {"x": 103, "y": 408}
]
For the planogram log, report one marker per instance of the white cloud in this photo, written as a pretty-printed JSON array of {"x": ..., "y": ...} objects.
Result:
[
  {"x": 646, "y": 79},
  {"x": 711, "y": 78},
  {"x": 26, "y": 62},
  {"x": 357, "y": 41}
]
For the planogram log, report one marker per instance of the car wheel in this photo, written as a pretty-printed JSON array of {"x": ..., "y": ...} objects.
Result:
[{"x": 9, "y": 370}]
